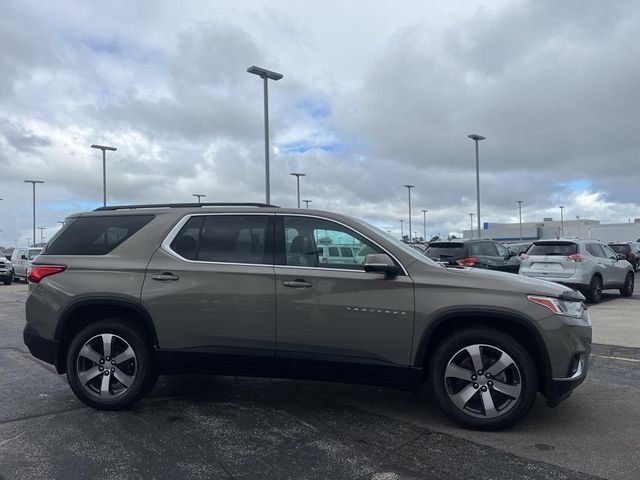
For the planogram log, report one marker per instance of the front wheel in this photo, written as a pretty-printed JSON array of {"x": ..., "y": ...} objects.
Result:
[
  {"x": 8, "y": 280},
  {"x": 110, "y": 365},
  {"x": 627, "y": 290},
  {"x": 484, "y": 379}
]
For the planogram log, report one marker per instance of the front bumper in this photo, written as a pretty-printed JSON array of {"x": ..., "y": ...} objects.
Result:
[{"x": 40, "y": 347}]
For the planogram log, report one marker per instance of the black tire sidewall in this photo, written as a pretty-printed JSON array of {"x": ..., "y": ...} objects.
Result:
[
  {"x": 629, "y": 282},
  {"x": 592, "y": 296},
  {"x": 145, "y": 376},
  {"x": 492, "y": 337}
]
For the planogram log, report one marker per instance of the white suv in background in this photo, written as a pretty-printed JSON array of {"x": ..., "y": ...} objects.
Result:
[{"x": 586, "y": 265}]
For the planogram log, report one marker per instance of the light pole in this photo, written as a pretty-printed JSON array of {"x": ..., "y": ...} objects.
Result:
[
  {"x": 266, "y": 75},
  {"x": 476, "y": 138},
  {"x": 42, "y": 229},
  {"x": 199, "y": 195},
  {"x": 471, "y": 216},
  {"x": 401, "y": 229},
  {"x": 307, "y": 202},
  {"x": 409, "y": 187},
  {"x": 104, "y": 170},
  {"x": 424, "y": 224},
  {"x": 561, "y": 221},
  {"x": 579, "y": 226},
  {"x": 33, "y": 182},
  {"x": 520, "y": 214},
  {"x": 298, "y": 175}
]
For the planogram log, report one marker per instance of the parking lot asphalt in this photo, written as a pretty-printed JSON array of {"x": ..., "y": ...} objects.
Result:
[{"x": 229, "y": 427}]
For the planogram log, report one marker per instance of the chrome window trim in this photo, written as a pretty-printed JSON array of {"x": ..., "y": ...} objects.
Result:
[
  {"x": 404, "y": 270},
  {"x": 178, "y": 226},
  {"x": 166, "y": 243}
]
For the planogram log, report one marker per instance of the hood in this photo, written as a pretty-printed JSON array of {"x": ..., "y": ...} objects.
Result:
[{"x": 511, "y": 282}]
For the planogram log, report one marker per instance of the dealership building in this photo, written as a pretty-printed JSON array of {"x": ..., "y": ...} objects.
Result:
[{"x": 549, "y": 228}]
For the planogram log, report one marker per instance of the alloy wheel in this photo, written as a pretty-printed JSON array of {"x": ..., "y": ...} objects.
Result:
[
  {"x": 106, "y": 366},
  {"x": 483, "y": 381}
]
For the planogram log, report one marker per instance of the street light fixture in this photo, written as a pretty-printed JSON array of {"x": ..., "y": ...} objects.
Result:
[
  {"x": 307, "y": 202},
  {"x": 561, "y": 221},
  {"x": 33, "y": 183},
  {"x": 266, "y": 75},
  {"x": 104, "y": 170},
  {"x": 298, "y": 175},
  {"x": 424, "y": 224},
  {"x": 476, "y": 138},
  {"x": 409, "y": 187},
  {"x": 199, "y": 195},
  {"x": 471, "y": 216},
  {"x": 520, "y": 214}
]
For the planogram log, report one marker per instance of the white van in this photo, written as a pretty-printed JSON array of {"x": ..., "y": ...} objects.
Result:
[{"x": 21, "y": 259}]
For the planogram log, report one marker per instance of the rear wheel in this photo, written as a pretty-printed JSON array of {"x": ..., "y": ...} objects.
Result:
[
  {"x": 484, "y": 379},
  {"x": 110, "y": 365},
  {"x": 8, "y": 280},
  {"x": 629, "y": 281},
  {"x": 594, "y": 293}
]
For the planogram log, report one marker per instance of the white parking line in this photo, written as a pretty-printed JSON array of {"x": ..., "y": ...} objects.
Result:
[{"x": 635, "y": 360}]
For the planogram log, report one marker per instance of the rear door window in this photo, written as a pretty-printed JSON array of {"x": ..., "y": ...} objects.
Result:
[
  {"x": 595, "y": 250},
  {"x": 96, "y": 235},
  {"x": 226, "y": 239},
  {"x": 476, "y": 250},
  {"x": 489, "y": 249},
  {"x": 561, "y": 249}
]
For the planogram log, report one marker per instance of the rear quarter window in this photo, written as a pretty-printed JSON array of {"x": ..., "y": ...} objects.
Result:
[{"x": 96, "y": 235}]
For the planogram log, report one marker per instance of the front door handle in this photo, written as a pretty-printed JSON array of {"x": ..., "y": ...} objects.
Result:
[
  {"x": 298, "y": 284},
  {"x": 165, "y": 277}
]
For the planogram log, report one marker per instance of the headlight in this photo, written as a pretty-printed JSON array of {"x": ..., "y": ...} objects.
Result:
[{"x": 559, "y": 307}]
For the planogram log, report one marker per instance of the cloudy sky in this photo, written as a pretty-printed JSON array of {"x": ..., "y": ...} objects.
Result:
[{"x": 375, "y": 95}]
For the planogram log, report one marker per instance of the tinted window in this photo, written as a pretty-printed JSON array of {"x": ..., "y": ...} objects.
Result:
[
  {"x": 96, "y": 235},
  {"x": 502, "y": 250},
  {"x": 489, "y": 249},
  {"x": 553, "y": 248},
  {"x": 475, "y": 249},
  {"x": 446, "y": 250},
  {"x": 186, "y": 242},
  {"x": 608, "y": 253},
  {"x": 595, "y": 250},
  {"x": 346, "y": 252},
  {"x": 303, "y": 234},
  {"x": 620, "y": 248},
  {"x": 225, "y": 238}
]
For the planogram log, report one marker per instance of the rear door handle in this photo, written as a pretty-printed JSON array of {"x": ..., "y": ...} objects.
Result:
[
  {"x": 165, "y": 277},
  {"x": 298, "y": 284}
]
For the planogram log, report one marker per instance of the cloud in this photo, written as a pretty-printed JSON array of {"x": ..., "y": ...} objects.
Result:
[{"x": 362, "y": 111}]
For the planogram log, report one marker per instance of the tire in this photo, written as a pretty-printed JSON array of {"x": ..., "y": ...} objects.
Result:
[
  {"x": 594, "y": 292},
  {"x": 102, "y": 387},
  {"x": 629, "y": 281},
  {"x": 9, "y": 280},
  {"x": 462, "y": 392}
]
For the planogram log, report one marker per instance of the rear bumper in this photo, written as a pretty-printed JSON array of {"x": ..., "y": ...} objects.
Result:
[{"x": 42, "y": 348}]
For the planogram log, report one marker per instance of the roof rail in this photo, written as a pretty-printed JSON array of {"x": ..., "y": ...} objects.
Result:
[{"x": 184, "y": 205}]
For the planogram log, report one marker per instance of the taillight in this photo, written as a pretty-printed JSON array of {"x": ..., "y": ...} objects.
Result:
[
  {"x": 38, "y": 272},
  {"x": 524, "y": 256},
  {"x": 467, "y": 261},
  {"x": 576, "y": 258}
]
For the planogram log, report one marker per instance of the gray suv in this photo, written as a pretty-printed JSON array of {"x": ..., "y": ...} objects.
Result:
[
  {"x": 122, "y": 294},
  {"x": 587, "y": 265}
]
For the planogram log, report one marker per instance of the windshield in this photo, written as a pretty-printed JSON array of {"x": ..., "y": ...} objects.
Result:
[
  {"x": 445, "y": 250},
  {"x": 405, "y": 248}
]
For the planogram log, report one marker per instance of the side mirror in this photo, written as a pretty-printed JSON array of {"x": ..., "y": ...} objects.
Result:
[
  {"x": 23, "y": 257},
  {"x": 380, "y": 263}
]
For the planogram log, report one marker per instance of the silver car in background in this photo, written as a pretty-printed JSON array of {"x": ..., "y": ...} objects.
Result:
[{"x": 586, "y": 265}]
